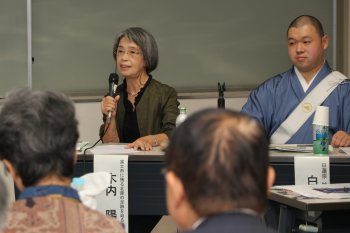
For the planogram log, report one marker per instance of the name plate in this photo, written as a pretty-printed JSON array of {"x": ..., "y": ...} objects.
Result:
[
  {"x": 311, "y": 170},
  {"x": 114, "y": 201}
]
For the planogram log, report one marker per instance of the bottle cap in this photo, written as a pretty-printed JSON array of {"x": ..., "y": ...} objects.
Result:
[
  {"x": 182, "y": 109},
  {"x": 321, "y": 116},
  {"x": 78, "y": 181}
]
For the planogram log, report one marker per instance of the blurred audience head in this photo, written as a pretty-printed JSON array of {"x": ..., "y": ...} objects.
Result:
[
  {"x": 38, "y": 135},
  {"x": 216, "y": 162}
]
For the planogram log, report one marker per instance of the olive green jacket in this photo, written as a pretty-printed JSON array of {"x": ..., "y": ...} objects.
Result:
[{"x": 156, "y": 112}]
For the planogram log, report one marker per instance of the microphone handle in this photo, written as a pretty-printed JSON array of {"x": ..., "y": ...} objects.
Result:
[
  {"x": 109, "y": 117},
  {"x": 112, "y": 92}
]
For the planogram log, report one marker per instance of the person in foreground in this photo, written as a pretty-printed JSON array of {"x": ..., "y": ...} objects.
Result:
[
  {"x": 217, "y": 173},
  {"x": 145, "y": 110},
  {"x": 38, "y": 136},
  {"x": 290, "y": 92}
]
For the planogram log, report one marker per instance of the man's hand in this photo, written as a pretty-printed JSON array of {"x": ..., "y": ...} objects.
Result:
[{"x": 341, "y": 138}]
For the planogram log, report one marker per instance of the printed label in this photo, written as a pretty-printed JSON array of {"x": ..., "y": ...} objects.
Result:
[{"x": 320, "y": 139}]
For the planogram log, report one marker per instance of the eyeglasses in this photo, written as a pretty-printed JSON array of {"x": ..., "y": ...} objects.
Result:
[{"x": 132, "y": 52}]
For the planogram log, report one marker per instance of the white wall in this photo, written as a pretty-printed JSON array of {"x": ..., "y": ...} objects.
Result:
[{"x": 90, "y": 117}]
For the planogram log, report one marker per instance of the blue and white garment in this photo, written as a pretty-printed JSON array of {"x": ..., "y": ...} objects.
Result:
[{"x": 274, "y": 100}]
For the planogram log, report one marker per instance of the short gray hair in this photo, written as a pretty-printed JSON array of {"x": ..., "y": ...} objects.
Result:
[
  {"x": 145, "y": 41},
  {"x": 38, "y": 134}
]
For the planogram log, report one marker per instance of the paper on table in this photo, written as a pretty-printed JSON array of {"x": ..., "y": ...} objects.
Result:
[
  {"x": 114, "y": 149},
  {"x": 292, "y": 147},
  {"x": 345, "y": 150},
  {"x": 304, "y": 148},
  {"x": 80, "y": 145},
  {"x": 330, "y": 191}
]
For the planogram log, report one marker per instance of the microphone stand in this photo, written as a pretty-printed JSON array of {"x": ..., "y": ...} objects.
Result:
[{"x": 221, "y": 99}]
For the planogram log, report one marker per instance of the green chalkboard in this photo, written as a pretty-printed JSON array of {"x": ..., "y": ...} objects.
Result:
[{"x": 200, "y": 42}]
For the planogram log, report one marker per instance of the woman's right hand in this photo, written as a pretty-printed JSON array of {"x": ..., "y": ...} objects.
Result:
[{"x": 108, "y": 104}]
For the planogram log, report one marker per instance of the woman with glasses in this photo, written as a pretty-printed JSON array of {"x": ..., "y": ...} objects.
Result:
[{"x": 144, "y": 111}]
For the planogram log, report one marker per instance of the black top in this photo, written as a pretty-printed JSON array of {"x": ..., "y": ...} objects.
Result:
[{"x": 130, "y": 130}]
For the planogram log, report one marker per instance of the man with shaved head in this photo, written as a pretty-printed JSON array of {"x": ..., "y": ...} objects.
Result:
[
  {"x": 217, "y": 173},
  {"x": 285, "y": 104}
]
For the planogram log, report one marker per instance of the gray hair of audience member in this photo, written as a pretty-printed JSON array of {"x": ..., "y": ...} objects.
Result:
[
  {"x": 38, "y": 134},
  {"x": 307, "y": 19},
  {"x": 221, "y": 157},
  {"x": 145, "y": 41},
  {"x": 3, "y": 200}
]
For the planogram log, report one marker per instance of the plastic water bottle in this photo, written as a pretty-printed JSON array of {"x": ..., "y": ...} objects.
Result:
[
  {"x": 320, "y": 139},
  {"x": 181, "y": 117},
  {"x": 320, "y": 130}
]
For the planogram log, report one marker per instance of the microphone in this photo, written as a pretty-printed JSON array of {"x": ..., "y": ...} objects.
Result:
[{"x": 113, "y": 84}]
